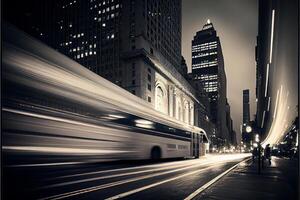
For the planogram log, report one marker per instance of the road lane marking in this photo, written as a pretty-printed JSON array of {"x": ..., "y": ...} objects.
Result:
[
  {"x": 208, "y": 159},
  {"x": 125, "y": 194},
  {"x": 116, "y": 175},
  {"x": 127, "y": 174},
  {"x": 99, "y": 187},
  {"x": 95, "y": 188},
  {"x": 205, "y": 186},
  {"x": 127, "y": 168}
]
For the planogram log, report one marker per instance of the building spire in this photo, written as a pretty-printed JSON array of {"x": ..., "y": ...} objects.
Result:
[{"x": 207, "y": 25}]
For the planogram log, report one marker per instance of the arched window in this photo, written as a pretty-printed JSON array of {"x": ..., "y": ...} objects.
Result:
[
  {"x": 179, "y": 109},
  {"x": 186, "y": 112},
  {"x": 179, "y": 112},
  {"x": 161, "y": 99}
]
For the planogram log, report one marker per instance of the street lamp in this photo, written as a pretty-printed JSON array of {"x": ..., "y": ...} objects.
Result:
[
  {"x": 256, "y": 138},
  {"x": 248, "y": 129}
]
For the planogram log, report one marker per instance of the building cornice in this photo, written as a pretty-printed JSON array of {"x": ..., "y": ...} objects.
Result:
[{"x": 166, "y": 69}]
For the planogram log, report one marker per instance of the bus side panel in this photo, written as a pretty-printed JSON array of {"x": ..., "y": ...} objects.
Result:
[{"x": 57, "y": 140}]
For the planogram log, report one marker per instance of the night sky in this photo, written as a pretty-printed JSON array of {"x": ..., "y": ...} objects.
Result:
[{"x": 236, "y": 22}]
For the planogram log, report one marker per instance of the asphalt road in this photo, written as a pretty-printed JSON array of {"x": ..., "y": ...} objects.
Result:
[{"x": 168, "y": 179}]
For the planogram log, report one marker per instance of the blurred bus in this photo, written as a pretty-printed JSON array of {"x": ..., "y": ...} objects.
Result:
[{"x": 54, "y": 108}]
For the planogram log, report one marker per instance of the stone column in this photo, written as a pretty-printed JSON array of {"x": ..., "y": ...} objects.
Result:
[
  {"x": 192, "y": 114},
  {"x": 189, "y": 113},
  {"x": 171, "y": 101},
  {"x": 175, "y": 110}
]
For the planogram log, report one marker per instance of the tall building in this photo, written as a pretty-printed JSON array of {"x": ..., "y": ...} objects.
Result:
[
  {"x": 208, "y": 71},
  {"x": 228, "y": 117},
  {"x": 135, "y": 44},
  {"x": 248, "y": 126},
  {"x": 246, "y": 107},
  {"x": 233, "y": 138}
]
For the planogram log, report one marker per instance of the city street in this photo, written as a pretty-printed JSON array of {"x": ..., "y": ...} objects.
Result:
[
  {"x": 167, "y": 179},
  {"x": 150, "y": 100}
]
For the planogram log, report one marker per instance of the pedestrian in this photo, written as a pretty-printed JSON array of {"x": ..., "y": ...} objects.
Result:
[
  {"x": 254, "y": 153},
  {"x": 267, "y": 153}
]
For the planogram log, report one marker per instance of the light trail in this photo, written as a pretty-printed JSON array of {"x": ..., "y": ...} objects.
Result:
[
  {"x": 214, "y": 162},
  {"x": 272, "y": 35},
  {"x": 269, "y": 102},
  {"x": 114, "y": 176},
  {"x": 173, "y": 165},
  {"x": 207, "y": 158},
  {"x": 122, "y": 169},
  {"x": 263, "y": 119},
  {"x": 48, "y": 149},
  {"x": 279, "y": 124},
  {"x": 46, "y": 164},
  {"x": 276, "y": 104},
  {"x": 267, "y": 80},
  {"x": 125, "y": 194}
]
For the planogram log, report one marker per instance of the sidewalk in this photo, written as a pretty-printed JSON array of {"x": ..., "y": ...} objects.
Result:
[{"x": 276, "y": 182}]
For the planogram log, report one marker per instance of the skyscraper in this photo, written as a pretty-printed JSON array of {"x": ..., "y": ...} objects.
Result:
[
  {"x": 208, "y": 71},
  {"x": 246, "y": 107},
  {"x": 248, "y": 126}
]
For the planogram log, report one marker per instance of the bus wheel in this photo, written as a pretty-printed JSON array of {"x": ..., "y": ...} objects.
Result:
[{"x": 156, "y": 153}]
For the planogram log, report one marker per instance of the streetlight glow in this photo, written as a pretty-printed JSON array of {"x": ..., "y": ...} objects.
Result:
[{"x": 256, "y": 138}]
